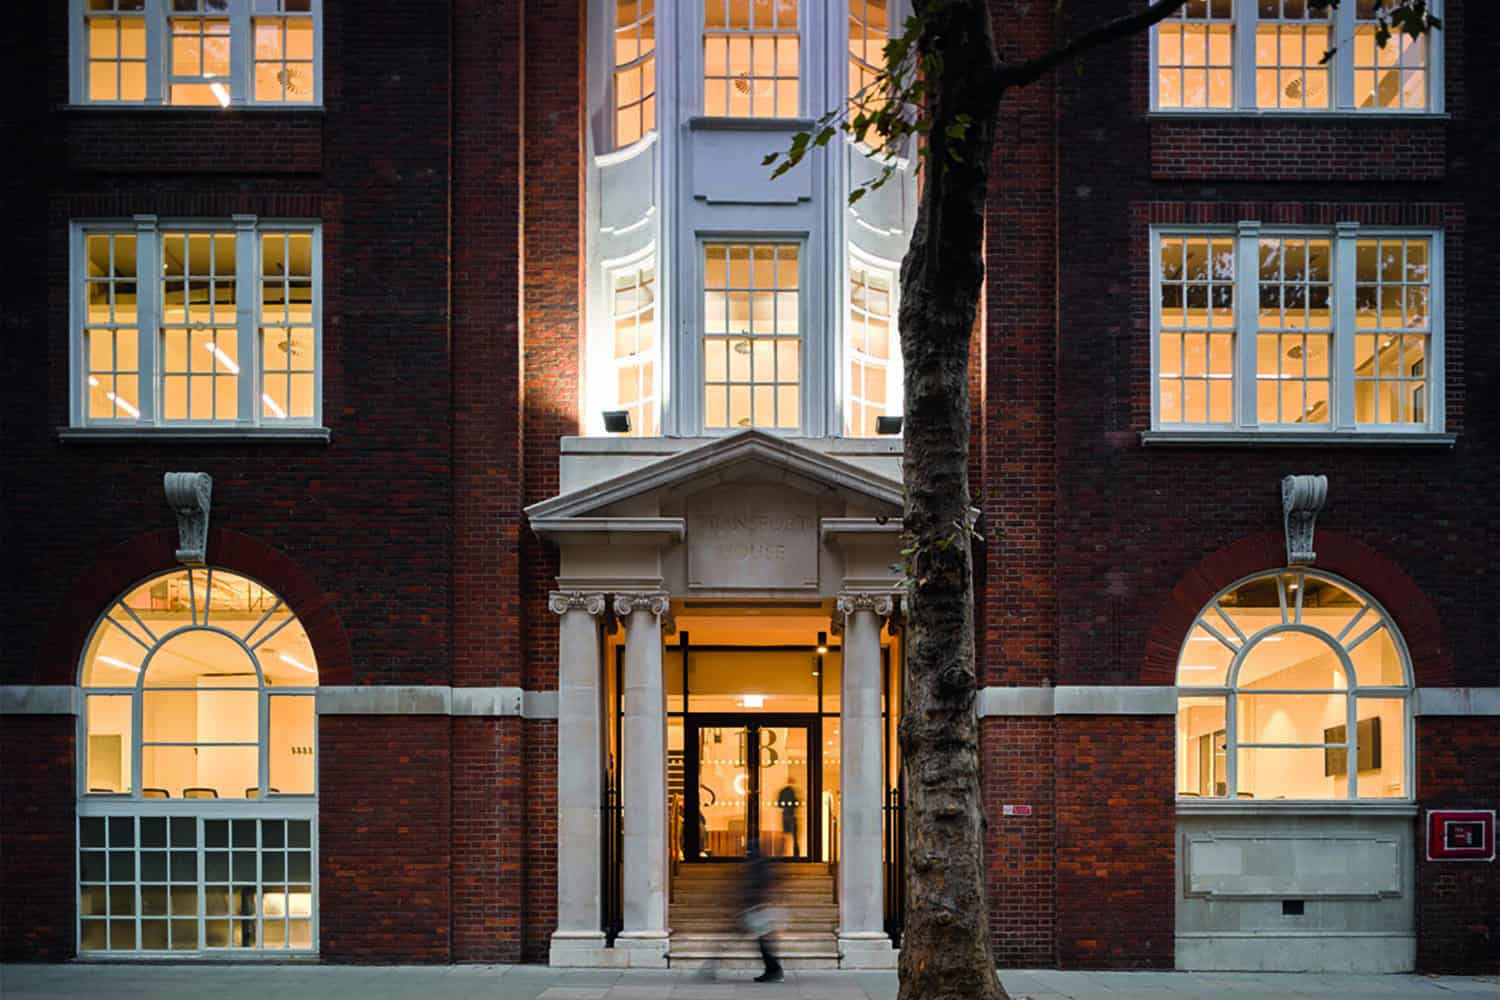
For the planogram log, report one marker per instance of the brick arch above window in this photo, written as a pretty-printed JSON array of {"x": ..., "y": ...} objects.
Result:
[
  {"x": 152, "y": 552},
  {"x": 1413, "y": 613}
]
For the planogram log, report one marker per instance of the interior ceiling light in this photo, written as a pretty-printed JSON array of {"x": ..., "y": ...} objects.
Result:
[{"x": 119, "y": 663}]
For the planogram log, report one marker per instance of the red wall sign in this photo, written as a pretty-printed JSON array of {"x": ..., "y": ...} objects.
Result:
[{"x": 1460, "y": 835}]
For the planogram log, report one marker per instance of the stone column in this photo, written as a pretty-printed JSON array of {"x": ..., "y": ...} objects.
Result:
[
  {"x": 863, "y": 942},
  {"x": 644, "y": 787},
  {"x": 579, "y": 938}
]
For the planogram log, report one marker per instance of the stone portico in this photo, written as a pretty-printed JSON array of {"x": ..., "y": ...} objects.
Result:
[{"x": 645, "y": 527}]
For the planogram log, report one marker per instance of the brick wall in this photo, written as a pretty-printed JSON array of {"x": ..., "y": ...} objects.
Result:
[
  {"x": 37, "y": 865},
  {"x": 1458, "y": 903},
  {"x": 383, "y": 828},
  {"x": 1273, "y": 149},
  {"x": 540, "y": 819},
  {"x": 1020, "y": 856},
  {"x": 1116, "y": 822}
]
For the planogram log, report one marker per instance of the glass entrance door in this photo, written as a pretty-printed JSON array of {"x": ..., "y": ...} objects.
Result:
[{"x": 749, "y": 783}]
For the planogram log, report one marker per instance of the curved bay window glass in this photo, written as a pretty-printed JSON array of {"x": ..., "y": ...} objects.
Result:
[
  {"x": 1283, "y": 681},
  {"x": 198, "y": 778}
]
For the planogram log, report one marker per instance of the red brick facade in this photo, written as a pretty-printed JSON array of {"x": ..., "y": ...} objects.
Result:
[{"x": 446, "y": 167}]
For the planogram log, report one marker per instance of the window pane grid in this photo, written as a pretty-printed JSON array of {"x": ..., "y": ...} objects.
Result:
[
  {"x": 200, "y": 336},
  {"x": 1196, "y": 342},
  {"x": 751, "y": 59},
  {"x": 199, "y": 54},
  {"x": 288, "y": 347},
  {"x": 1392, "y": 78},
  {"x": 116, "y": 43},
  {"x": 111, "y": 326},
  {"x": 869, "y": 28},
  {"x": 1289, "y": 71},
  {"x": 1392, "y": 328},
  {"x": 637, "y": 351},
  {"x": 752, "y": 345},
  {"x": 1195, "y": 56},
  {"x": 635, "y": 69},
  {"x": 283, "y": 53},
  {"x": 871, "y": 350},
  {"x": 1295, "y": 330},
  {"x": 190, "y": 883}
]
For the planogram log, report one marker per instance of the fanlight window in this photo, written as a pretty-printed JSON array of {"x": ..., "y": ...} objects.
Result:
[
  {"x": 1283, "y": 681},
  {"x": 199, "y": 684}
]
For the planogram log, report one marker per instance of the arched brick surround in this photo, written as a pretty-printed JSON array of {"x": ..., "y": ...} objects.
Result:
[
  {"x": 154, "y": 551},
  {"x": 1388, "y": 583}
]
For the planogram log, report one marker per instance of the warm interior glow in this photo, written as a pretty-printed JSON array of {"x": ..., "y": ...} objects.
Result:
[
  {"x": 869, "y": 28},
  {"x": 873, "y": 353},
  {"x": 1290, "y": 42},
  {"x": 751, "y": 54},
  {"x": 288, "y": 354},
  {"x": 117, "y": 51},
  {"x": 1295, "y": 322},
  {"x": 200, "y": 339},
  {"x": 635, "y": 70},
  {"x": 752, "y": 348},
  {"x": 1196, "y": 347},
  {"x": 110, "y": 326},
  {"x": 1195, "y": 57},
  {"x": 199, "y": 58},
  {"x": 284, "y": 57}
]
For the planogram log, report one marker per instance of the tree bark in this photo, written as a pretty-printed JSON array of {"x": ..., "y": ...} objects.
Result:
[{"x": 945, "y": 946}]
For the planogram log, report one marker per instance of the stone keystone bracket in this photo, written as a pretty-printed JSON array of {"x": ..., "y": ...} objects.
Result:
[
  {"x": 1302, "y": 497},
  {"x": 189, "y": 494}
]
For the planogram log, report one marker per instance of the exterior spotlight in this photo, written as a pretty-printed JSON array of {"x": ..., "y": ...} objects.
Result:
[
  {"x": 617, "y": 421},
  {"x": 888, "y": 425}
]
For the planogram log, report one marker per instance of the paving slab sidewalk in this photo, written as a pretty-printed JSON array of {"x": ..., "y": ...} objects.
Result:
[{"x": 141, "y": 981}]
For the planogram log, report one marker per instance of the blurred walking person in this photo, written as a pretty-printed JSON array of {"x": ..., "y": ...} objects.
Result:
[{"x": 757, "y": 914}]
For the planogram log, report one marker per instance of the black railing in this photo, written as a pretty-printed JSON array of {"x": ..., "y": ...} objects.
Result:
[
  {"x": 895, "y": 864},
  {"x": 613, "y": 850}
]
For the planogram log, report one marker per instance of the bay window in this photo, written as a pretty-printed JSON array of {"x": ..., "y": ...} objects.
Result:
[
  {"x": 634, "y": 78},
  {"x": 196, "y": 324},
  {"x": 751, "y": 59},
  {"x": 752, "y": 346},
  {"x": 872, "y": 349},
  {"x": 196, "y": 53},
  {"x": 1297, "y": 330},
  {"x": 1268, "y": 55}
]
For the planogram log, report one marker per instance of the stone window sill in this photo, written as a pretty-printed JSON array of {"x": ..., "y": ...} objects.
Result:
[
  {"x": 724, "y": 123},
  {"x": 1241, "y": 807},
  {"x": 246, "y": 435},
  {"x": 1283, "y": 439},
  {"x": 187, "y": 109},
  {"x": 1384, "y": 117}
]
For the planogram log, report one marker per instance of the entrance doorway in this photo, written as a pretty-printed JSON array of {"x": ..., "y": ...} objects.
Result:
[{"x": 748, "y": 784}]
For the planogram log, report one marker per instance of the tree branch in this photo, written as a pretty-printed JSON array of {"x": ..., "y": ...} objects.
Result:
[{"x": 1020, "y": 74}]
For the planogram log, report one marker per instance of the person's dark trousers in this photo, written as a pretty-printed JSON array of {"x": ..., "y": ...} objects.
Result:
[{"x": 773, "y": 967}]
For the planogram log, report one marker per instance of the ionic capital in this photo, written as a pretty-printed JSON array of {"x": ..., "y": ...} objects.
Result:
[
  {"x": 882, "y": 604},
  {"x": 562, "y": 601},
  {"x": 656, "y": 603}
]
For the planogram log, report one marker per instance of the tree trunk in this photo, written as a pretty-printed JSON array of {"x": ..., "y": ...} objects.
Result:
[{"x": 945, "y": 947}]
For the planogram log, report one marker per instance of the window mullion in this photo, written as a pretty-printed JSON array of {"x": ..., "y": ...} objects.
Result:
[
  {"x": 241, "y": 54},
  {"x": 147, "y": 314},
  {"x": 1246, "y": 311},
  {"x": 156, "y": 51},
  {"x": 1231, "y": 746},
  {"x": 1351, "y": 743},
  {"x": 1244, "y": 55},
  {"x": 1343, "y": 61},
  {"x": 1343, "y": 325},
  {"x": 247, "y": 297}
]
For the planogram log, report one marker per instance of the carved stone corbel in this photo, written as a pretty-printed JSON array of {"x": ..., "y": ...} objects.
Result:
[
  {"x": 190, "y": 495},
  {"x": 1302, "y": 497}
]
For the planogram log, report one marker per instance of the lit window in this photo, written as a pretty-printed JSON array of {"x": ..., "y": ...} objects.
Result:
[
  {"x": 750, "y": 58},
  {"x": 1283, "y": 681},
  {"x": 1291, "y": 38},
  {"x": 752, "y": 347},
  {"x": 1291, "y": 56},
  {"x": 1393, "y": 78},
  {"x": 1294, "y": 331},
  {"x": 1196, "y": 339},
  {"x": 211, "y": 360},
  {"x": 203, "y": 53},
  {"x": 637, "y": 354},
  {"x": 635, "y": 69},
  {"x": 1392, "y": 323},
  {"x": 869, "y": 27},
  {"x": 873, "y": 366},
  {"x": 1195, "y": 56},
  {"x": 116, "y": 33},
  {"x": 195, "y": 831},
  {"x": 1324, "y": 353}
]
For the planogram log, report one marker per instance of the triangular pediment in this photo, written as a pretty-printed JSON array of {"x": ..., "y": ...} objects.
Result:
[{"x": 746, "y": 456}]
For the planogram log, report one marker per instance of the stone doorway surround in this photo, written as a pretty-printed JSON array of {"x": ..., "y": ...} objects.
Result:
[{"x": 746, "y": 517}]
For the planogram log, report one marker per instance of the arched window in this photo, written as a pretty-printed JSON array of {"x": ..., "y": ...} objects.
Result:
[
  {"x": 198, "y": 776},
  {"x": 1283, "y": 680}
]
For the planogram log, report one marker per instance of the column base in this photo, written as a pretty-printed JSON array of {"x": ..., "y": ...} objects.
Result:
[
  {"x": 642, "y": 949},
  {"x": 867, "y": 950},
  {"x": 582, "y": 950}
]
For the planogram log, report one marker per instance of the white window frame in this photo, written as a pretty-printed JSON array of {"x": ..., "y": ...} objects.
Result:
[
  {"x": 1341, "y": 66},
  {"x": 895, "y": 381},
  {"x": 1355, "y": 632},
  {"x": 157, "y": 15},
  {"x": 148, "y": 230},
  {"x": 698, "y": 95},
  {"x": 1343, "y": 238},
  {"x": 286, "y": 806}
]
